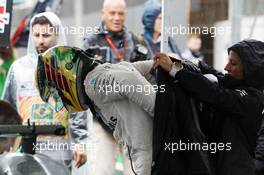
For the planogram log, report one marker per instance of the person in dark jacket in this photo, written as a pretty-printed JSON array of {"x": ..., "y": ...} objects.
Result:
[
  {"x": 118, "y": 43},
  {"x": 237, "y": 100},
  {"x": 151, "y": 21}
]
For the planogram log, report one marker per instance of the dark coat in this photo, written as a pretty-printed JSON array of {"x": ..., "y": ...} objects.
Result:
[
  {"x": 236, "y": 119},
  {"x": 125, "y": 41},
  {"x": 176, "y": 121},
  {"x": 231, "y": 114}
]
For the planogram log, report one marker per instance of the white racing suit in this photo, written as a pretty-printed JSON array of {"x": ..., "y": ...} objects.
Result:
[{"x": 129, "y": 112}]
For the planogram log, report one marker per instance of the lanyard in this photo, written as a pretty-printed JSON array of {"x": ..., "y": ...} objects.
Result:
[{"x": 120, "y": 55}]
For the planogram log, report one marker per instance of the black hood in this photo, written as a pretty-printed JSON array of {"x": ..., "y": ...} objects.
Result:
[{"x": 251, "y": 53}]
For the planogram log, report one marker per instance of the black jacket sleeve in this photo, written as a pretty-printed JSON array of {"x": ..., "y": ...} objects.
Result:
[
  {"x": 235, "y": 101},
  {"x": 206, "y": 69}
]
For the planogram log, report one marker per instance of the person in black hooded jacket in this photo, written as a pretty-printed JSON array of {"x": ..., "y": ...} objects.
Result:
[{"x": 238, "y": 103}]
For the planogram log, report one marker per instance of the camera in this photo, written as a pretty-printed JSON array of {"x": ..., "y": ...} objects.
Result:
[
  {"x": 140, "y": 53},
  {"x": 99, "y": 53},
  {"x": 103, "y": 53}
]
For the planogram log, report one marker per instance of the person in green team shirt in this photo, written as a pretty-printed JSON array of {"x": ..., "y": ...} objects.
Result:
[{"x": 6, "y": 59}]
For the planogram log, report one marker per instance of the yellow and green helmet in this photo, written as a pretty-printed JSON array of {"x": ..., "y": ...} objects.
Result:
[{"x": 60, "y": 73}]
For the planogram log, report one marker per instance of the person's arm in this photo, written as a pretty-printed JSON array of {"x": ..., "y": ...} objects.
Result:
[
  {"x": 146, "y": 69},
  {"x": 206, "y": 69},
  {"x": 118, "y": 85},
  {"x": 78, "y": 125},
  {"x": 235, "y": 101},
  {"x": 10, "y": 88},
  {"x": 79, "y": 135}
]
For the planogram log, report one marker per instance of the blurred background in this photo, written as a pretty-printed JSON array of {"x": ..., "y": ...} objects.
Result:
[{"x": 238, "y": 19}]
